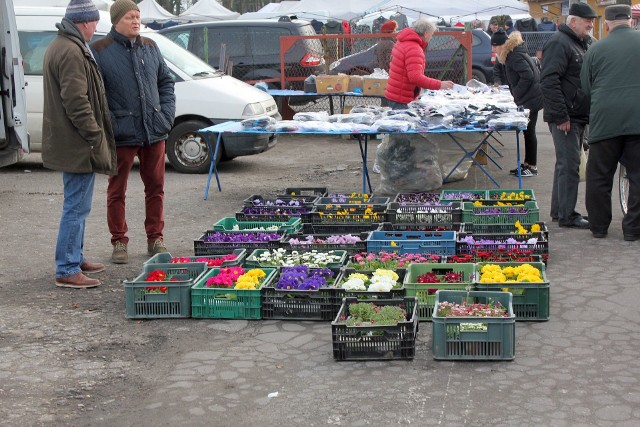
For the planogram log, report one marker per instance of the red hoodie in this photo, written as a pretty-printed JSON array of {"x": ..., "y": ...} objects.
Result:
[{"x": 406, "y": 75}]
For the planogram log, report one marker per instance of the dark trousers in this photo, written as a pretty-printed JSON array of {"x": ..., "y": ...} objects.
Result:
[
  {"x": 566, "y": 177},
  {"x": 601, "y": 168},
  {"x": 531, "y": 140},
  {"x": 152, "y": 161}
]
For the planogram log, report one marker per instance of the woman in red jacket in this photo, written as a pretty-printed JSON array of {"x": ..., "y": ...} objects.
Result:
[{"x": 406, "y": 74}]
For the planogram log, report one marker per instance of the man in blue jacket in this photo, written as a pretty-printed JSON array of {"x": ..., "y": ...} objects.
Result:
[
  {"x": 609, "y": 78},
  {"x": 141, "y": 98}
]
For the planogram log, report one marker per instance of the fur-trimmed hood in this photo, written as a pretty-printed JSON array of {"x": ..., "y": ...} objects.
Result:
[{"x": 514, "y": 40}]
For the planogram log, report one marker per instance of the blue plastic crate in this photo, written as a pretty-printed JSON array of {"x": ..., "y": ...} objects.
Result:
[{"x": 413, "y": 242}]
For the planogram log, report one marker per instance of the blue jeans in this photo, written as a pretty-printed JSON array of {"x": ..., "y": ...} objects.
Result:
[
  {"x": 78, "y": 195},
  {"x": 566, "y": 177}
]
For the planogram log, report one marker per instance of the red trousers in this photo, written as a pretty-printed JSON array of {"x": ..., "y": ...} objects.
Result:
[{"x": 151, "y": 158}]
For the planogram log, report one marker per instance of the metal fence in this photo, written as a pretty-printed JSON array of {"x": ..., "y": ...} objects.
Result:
[{"x": 534, "y": 41}]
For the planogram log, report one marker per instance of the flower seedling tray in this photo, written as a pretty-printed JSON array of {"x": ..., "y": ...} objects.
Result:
[
  {"x": 495, "y": 243},
  {"x": 306, "y": 191},
  {"x": 281, "y": 201},
  {"x": 351, "y": 248},
  {"x": 387, "y": 226},
  {"x": 454, "y": 338},
  {"x": 253, "y": 260},
  {"x": 413, "y": 242},
  {"x": 407, "y": 199},
  {"x": 273, "y": 213},
  {"x": 353, "y": 216},
  {"x": 174, "y": 303},
  {"x": 340, "y": 228},
  {"x": 285, "y": 304},
  {"x": 463, "y": 195},
  {"x": 293, "y": 225},
  {"x": 225, "y": 303},
  {"x": 426, "y": 292},
  {"x": 436, "y": 215},
  {"x": 203, "y": 247},
  {"x": 505, "y": 195},
  {"x": 333, "y": 202},
  {"x": 165, "y": 258},
  {"x": 395, "y": 294},
  {"x": 375, "y": 342},
  {"x": 530, "y": 300},
  {"x": 499, "y": 215}
]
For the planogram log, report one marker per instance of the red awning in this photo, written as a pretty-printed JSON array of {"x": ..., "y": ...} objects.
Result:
[{"x": 635, "y": 11}]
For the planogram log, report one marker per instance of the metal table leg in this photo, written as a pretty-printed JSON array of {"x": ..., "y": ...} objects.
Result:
[
  {"x": 518, "y": 159},
  {"x": 363, "y": 154},
  {"x": 212, "y": 167},
  {"x": 471, "y": 155}
]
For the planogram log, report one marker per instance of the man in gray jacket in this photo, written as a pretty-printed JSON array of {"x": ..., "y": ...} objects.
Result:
[
  {"x": 142, "y": 103},
  {"x": 76, "y": 136},
  {"x": 609, "y": 78}
]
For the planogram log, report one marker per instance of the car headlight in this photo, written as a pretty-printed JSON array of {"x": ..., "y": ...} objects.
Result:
[
  {"x": 253, "y": 110},
  {"x": 334, "y": 64}
]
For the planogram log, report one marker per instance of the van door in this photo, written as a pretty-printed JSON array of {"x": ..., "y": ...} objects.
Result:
[{"x": 14, "y": 139}]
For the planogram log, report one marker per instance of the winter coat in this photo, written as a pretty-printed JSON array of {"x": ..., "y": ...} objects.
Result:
[
  {"x": 609, "y": 78},
  {"x": 76, "y": 130},
  {"x": 520, "y": 73},
  {"x": 383, "y": 51},
  {"x": 139, "y": 87},
  {"x": 562, "y": 95},
  {"x": 406, "y": 74}
]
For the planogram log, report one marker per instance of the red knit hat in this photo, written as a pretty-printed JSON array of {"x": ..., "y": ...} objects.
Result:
[{"x": 389, "y": 26}]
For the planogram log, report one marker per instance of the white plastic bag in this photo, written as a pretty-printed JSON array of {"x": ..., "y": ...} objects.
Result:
[{"x": 582, "y": 170}]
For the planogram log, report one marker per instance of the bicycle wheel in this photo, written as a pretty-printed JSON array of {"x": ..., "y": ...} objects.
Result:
[{"x": 623, "y": 184}]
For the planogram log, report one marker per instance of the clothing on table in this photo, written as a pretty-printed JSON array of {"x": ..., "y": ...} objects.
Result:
[
  {"x": 526, "y": 24},
  {"x": 401, "y": 20},
  {"x": 377, "y": 23},
  {"x": 317, "y": 25},
  {"x": 547, "y": 25}
]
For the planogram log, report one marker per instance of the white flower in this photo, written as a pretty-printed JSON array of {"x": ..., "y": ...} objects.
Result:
[
  {"x": 354, "y": 285},
  {"x": 380, "y": 286}
]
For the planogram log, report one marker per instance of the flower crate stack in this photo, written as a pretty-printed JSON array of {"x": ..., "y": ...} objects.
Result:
[
  {"x": 424, "y": 280},
  {"x": 162, "y": 290},
  {"x": 413, "y": 242},
  {"x": 278, "y": 208},
  {"x": 474, "y": 325},
  {"x": 422, "y": 212}
]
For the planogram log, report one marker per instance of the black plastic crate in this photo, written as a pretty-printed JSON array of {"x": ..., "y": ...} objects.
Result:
[
  {"x": 387, "y": 226},
  {"x": 340, "y": 228},
  {"x": 375, "y": 342},
  {"x": 351, "y": 249},
  {"x": 438, "y": 215},
  {"x": 306, "y": 191},
  {"x": 202, "y": 247},
  {"x": 256, "y": 200},
  {"x": 284, "y": 304}
]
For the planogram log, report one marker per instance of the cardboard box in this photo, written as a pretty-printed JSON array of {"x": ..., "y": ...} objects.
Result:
[
  {"x": 355, "y": 82},
  {"x": 332, "y": 84},
  {"x": 374, "y": 87}
]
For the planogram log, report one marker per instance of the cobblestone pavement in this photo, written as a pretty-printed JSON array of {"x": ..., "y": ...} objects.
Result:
[{"x": 72, "y": 358}]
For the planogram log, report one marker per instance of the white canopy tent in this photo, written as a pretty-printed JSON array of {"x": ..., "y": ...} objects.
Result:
[
  {"x": 314, "y": 9},
  {"x": 207, "y": 10},
  {"x": 151, "y": 11}
]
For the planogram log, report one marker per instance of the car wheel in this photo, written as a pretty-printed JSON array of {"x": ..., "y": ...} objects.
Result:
[
  {"x": 478, "y": 75},
  {"x": 187, "y": 149}
]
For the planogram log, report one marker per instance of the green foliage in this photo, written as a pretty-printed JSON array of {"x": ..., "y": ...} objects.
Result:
[{"x": 361, "y": 314}]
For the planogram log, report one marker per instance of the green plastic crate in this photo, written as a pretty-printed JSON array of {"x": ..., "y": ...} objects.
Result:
[
  {"x": 375, "y": 342},
  {"x": 253, "y": 259},
  {"x": 503, "y": 195},
  {"x": 224, "y": 303},
  {"x": 175, "y": 303},
  {"x": 505, "y": 215},
  {"x": 530, "y": 300},
  {"x": 450, "y": 340},
  {"x": 425, "y": 292},
  {"x": 165, "y": 257},
  {"x": 293, "y": 225}
]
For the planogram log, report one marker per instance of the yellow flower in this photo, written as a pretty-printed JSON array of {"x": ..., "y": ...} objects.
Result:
[
  {"x": 360, "y": 276},
  {"x": 394, "y": 244},
  {"x": 535, "y": 228},
  {"x": 389, "y": 273}
]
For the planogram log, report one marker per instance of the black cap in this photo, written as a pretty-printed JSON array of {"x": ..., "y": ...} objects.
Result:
[
  {"x": 582, "y": 10},
  {"x": 499, "y": 38},
  {"x": 618, "y": 11},
  {"x": 508, "y": 23}
]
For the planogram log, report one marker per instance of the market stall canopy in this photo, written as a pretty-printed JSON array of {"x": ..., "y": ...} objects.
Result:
[
  {"x": 151, "y": 11},
  {"x": 207, "y": 10},
  {"x": 314, "y": 9},
  {"x": 450, "y": 10},
  {"x": 100, "y": 4}
]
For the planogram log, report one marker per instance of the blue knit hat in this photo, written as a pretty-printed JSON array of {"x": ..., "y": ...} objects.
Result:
[{"x": 82, "y": 11}]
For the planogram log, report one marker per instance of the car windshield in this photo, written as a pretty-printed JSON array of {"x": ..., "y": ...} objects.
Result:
[{"x": 181, "y": 58}]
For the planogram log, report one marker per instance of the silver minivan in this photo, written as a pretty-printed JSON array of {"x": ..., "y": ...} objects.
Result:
[{"x": 204, "y": 95}]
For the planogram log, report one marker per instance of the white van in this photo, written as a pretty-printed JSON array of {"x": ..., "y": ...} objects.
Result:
[
  {"x": 14, "y": 140},
  {"x": 204, "y": 96}
]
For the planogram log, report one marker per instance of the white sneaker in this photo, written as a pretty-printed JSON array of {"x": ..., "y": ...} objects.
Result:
[{"x": 376, "y": 168}]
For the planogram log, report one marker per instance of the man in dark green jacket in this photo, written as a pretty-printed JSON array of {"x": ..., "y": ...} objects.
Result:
[
  {"x": 610, "y": 78},
  {"x": 76, "y": 135}
]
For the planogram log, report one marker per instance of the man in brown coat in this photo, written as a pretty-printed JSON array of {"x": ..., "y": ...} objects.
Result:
[{"x": 77, "y": 138}]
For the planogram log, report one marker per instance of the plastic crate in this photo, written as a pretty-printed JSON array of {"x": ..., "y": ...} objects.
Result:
[
  {"x": 175, "y": 303},
  {"x": 351, "y": 249},
  {"x": 306, "y": 191},
  {"x": 450, "y": 341},
  {"x": 530, "y": 300},
  {"x": 253, "y": 259},
  {"x": 425, "y": 292},
  {"x": 165, "y": 258},
  {"x": 437, "y": 215},
  {"x": 224, "y": 303},
  {"x": 340, "y": 228},
  {"x": 421, "y": 198},
  {"x": 349, "y": 201},
  {"x": 293, "y": 225},
  {"x": 361, "y": 216},
  {"x": 202, "y": 247},
  {"x": 471, "y": 195},
  {"x": 281, "y": 201},
  {"x": 503, "y": 195},
  {"x": 474, "y": 215},
  {"x": 540, "y": 248},
  {"x": 375, "y": 342},
  {"x": 413, "y": 242},
  {"x": 387, "y": 226},
  {"x": 298, "y": 305}
]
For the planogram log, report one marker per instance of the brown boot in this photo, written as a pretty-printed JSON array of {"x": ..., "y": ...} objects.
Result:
[
  {"x": 119, "y": 255},
  {"x": 77, "y": 281},
  {"x": 89, "y": 267}
]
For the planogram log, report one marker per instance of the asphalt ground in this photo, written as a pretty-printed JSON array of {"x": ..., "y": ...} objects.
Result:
[{"x": 70, "y": 357}]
